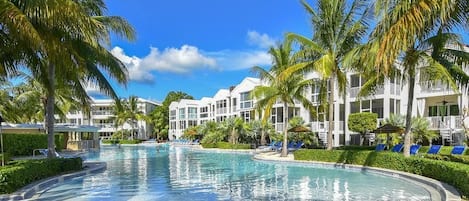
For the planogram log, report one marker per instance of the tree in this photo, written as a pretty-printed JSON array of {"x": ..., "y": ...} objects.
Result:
[
  {"x": 234, "y": 126},
  {"x": 362, "y": 123},
  {"x": 421, "y": 132},
  {"x": 401, "y": 31},
  {"x": 66, "y": 49},
  {"x": 286, "y": 89},
  {"x": 159, "y": 117},
  {"x": 261, "y": 129},
  {"x": 338, "y": 29},
  {"x": 128, "y": 112}
]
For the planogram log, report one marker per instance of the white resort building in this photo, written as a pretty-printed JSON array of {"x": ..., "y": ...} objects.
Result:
[
  {"x": 102, "y": 116},
  {"x": 442, "y": 106}
]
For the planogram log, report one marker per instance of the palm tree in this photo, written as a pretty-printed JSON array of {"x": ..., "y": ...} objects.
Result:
[
  {"x": 134, "y": 114},
  {"x": 400, "y": 29},
  {"x": 234, "y": 126},
  {"x": 71, "y": 35},
  {"x": 285, "y": 89},
  {"x": 338, "y": 29}
]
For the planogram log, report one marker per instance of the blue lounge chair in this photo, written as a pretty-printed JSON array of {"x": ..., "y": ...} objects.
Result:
[
  {"x": 434, "y": 149},
  {"x": 397, "y": 148},
  {"x": 297, "y": 146},
  {"x": 278, "y": 147},
  {"x": 458, "y": 150},
  {"x": 380, "y": 147},
  {"x": 414, "y": 149}
]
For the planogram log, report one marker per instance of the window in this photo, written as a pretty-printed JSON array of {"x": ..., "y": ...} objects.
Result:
[
  {"x": 378, "y": 107},
  {"x": 391, "y": 106},
  {"x": 366, "y": 106},
  {"x": 172, "y": 115},
  {"x": 354, "y": 107},
  {"x": 355, "y": 80},
  {"x": 433, "y": 111},
  {"x": 182, "y": 125},
  {"x": 192, "y": 112},
  {"x": 453, "y": 110},
  {"x": 192, "y": 123},
  {"x": 342, "y": 112},
  {"x": 182, "y": 113},
  {"x": 245, "y": 100}
]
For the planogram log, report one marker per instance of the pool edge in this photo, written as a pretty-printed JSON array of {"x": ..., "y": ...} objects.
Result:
[
  {"x": 32, "y": 189},
  {"x": 446, "y": 191}
]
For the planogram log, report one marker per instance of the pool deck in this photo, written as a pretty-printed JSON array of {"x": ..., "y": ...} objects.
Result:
[{"x": 438, "y": 190}]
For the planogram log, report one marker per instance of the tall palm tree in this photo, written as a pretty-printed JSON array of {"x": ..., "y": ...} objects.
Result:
[
  {"x": 402, "y": 25},
  {"x": 133, "y": 113},
  {"x": 338, "y": 28},
  {"x": 286, "y": 89},
  {"x": 71, "y": 37}
]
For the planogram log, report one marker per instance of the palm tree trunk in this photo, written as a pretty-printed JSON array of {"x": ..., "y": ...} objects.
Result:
[
  {"x": 285, "y": 130},
  {"x": 50, "y": 111},
  {"x": 408, "y": 118},
  {"x": 331, "y": 114},
  {"x": 262, "y": 137}
]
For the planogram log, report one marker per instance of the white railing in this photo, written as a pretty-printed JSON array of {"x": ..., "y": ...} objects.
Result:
[
  {"x": 447, "y": 122},
  {"x": 102, "y": 112},
  {"x": 221, "y": 110},
  {"x": 434, "y": 87}
]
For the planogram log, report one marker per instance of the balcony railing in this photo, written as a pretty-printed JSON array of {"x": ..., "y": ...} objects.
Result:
[
  {"x": 447, "y": 122},
  {"x": 435, "y": 87},
  {"x": 102, "y": 112}
]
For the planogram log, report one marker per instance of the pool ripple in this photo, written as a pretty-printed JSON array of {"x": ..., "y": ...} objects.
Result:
[{"x": 141, "y": 173}]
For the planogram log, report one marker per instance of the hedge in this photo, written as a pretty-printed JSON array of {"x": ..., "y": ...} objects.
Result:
[
  {"x": 6, "y": 157},
  {"x": 452, "y": 158},
  {"x": 21, "y": 173},
  {"x": 24, "y": 144},
  {"x": 226, "y": 145},
  {"x": 121, "y": 141},
  {"x": 455, "y": 174}
]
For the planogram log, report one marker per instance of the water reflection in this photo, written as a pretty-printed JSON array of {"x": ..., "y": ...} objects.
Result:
[{"x": 141, "y": 173}]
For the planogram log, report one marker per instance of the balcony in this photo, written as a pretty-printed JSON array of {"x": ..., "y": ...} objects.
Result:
[
  {"x": 355, "y": 90},
  {"x": 446, "y": 122},
  {"x": 434, "y": 87}
]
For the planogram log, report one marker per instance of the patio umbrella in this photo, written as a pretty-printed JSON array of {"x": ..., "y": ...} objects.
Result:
[
  {"x": 388, "y": 128},
  {"x": 299, "y": 129}
]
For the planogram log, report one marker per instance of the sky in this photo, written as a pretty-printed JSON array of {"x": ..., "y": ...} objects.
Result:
[{"x": 199, "y": 47}]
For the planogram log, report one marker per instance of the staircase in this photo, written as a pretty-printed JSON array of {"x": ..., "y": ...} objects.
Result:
[
  {"x": 322, "y": 138},
  {"x": 446, "y": 136}
]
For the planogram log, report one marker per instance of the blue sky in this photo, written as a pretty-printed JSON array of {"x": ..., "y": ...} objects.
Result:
[{"x": 199, "y": 47}]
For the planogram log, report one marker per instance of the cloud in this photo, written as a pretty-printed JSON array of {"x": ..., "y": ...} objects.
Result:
[
  {"x": 182, "y": 60},
  {"x": 237, "y": 60},
  {"x": 260, "y": 40},
  {"x": 188, "y": 58}
]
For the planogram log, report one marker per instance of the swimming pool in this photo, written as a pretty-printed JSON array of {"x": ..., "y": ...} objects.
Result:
[{"x": 142, "y": 173}]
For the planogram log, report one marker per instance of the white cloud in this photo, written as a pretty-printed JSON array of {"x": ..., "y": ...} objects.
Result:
[
  {"x": 182, "y": 60},
  {"x": 260, "y": 40},
  {"x": 237, "y": 60},
  {"x": 188, "y": 58}
]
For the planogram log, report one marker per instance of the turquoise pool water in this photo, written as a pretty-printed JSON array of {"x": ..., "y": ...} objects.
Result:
[{"x": 142, "y": 173}]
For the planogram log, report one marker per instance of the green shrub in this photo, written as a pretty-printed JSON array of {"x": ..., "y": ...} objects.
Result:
[
  {"x": 356, "y": 147},
  {"x": 20, "y": 173},
  {"x": 455, "y": 174},
  {"x": 453, "y": 158},
  {"x": 6, "y": 157},
  {"x": 209, "y": 145},
  {"x": 24, "y": 144},
  {"x": 226, "y": 145},
  {"x": 116, "y": 141},
  {"x": 445, "y": 150}
]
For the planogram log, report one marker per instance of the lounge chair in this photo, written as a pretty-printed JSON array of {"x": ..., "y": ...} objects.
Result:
[
  {"x": 414, "y": 149},
  {"x": 434, "y": 149},
  {"x": 458, "y": 150},
  {"x": 195, "y": 142},
  {"x": 297, "y": 146},
  {"x": 45, "y": 152},
  {"x": 397, "y": 148},
  {"x": 380, "y": 147},
  {"x": 278, "y": 147}
]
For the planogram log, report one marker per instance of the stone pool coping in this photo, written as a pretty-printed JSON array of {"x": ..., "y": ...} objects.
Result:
[
  {"x": 438, "y": 190},
  {"x": 30, "y": 190}
]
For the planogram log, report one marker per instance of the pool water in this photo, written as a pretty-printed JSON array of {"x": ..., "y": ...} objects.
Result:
[{"x": 142, "y": 173}]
